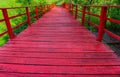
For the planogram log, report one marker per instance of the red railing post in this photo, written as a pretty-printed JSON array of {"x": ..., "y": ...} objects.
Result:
[
  {"x": 72, "y": 9},
  {"x": 76, "y": 12},
  {"x": 7, "y": 22},
  {"x": 103, "y": 17},
  {"x": 83, "y": 15},
  {"x": 41, "y": 8},
  {"x": 44, "y": 9},
  {"x": 37, "y": 12},
  {"x": 28, "y": 16}
]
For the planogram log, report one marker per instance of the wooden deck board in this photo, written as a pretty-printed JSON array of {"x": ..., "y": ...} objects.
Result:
[
  {"x": 7, "y": 74},
  {"x": 57, "y": 46}
]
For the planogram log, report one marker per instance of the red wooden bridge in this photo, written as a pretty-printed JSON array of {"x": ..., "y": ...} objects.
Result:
[{"x": 56, "y": 45}]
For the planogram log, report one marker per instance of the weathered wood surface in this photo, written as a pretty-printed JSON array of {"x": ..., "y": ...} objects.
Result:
[{"x": 57, "y": 46}]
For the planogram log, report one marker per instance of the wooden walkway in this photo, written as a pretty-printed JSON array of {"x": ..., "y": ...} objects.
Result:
[{"x": 57, "y": 46}]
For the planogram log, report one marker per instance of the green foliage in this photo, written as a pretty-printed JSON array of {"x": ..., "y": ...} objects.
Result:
[
  {"x": 112, "y": 13},
  {"x": 115, "y": 14},
  {"x": 59, "y": 2},
  {"x": 13, "y": 12}
]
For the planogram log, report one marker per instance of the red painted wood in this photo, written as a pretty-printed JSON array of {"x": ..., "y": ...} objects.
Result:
[
  {"x": 1, "y": 20},
  {"x": 44, "y": 8},
  {"x": 41, "y": 9},
  {"x": 7, "y": 22},
  {"x": 17, "y": 16},
  {"x": 51, "y": 75},
  {"x": 93, "y": 24},
  {"x": 20, "y": 24},
  {"x": 62, "y": 50},
  {"x": 102, "y": 23},
  {"x": 112, "y": 35},
  {"x": 103, "y": 19},
  {"x": 83, "y": 15},
  {"x": 37, "y": 13},
  {"x": 76, "y": 11},
  {"x": 46, "y": 69},
  {"x": 1, "y": 34},
  {"x": 57, "y": 46},
  {"x": 28, "y": 16},
  {"x": 59, "y": 55},
  {"x": 67, "y": 61},
  {"x": 7, "y": 19},
  {"x": 92, "y": 14},
  {"x": 114, "y": 20}
]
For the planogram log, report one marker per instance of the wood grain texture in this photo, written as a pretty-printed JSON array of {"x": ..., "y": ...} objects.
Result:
[{"x": 57, "y": 45}]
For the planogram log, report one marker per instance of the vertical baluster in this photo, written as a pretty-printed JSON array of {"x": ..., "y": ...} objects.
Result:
[
  {"x": 28, "y": 16},
  {"x": 37, "y": 12},
  {"x": 41, "y": 8},
  {"x": 76, "y": 12},
  {"x": 83, "y": 15},
  {"x": 103, "y": 17},
  {"x": 7, "y": 22},
  {"x": 71, "y": 7}
]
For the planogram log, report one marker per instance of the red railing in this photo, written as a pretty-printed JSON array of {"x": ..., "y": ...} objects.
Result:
[
  {"x": 7, "y": 18},
  {"x": 103, "y": 18}
]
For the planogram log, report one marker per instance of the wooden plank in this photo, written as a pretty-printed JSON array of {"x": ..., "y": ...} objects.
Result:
[
  {"x": 57, "y": 46},
  {"x": 51, "y": 50},
  {"x": 60, "y": 55},
  {"x": 79, "y": 70},
  {"x": 51, "y": 75},
  {"x": 67, "y": 61}
]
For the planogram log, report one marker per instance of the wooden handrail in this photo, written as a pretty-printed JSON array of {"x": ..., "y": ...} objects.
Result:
[
  {"x": 7, "y": 21},
  {"x": 28, "y": 16},
  {"x": 27, "y": 13},
  {"x": 37, "y": 12},
  {"x": 83, "y": 14},
  {"x": 108, "y": 6},
  {"x": 103, "y": 18},
  {"x": 76, "y": 12}
]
